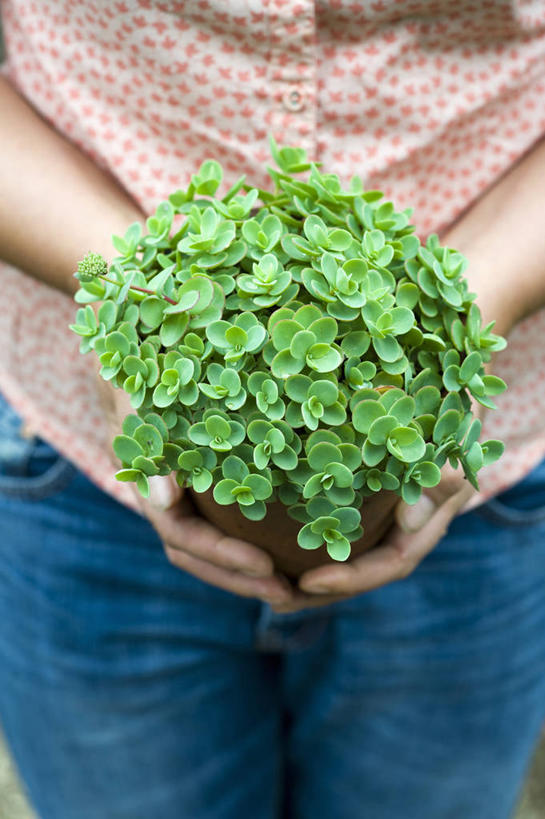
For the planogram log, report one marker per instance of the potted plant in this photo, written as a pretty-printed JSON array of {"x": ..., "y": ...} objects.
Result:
[{"x": 296, "y": 357}]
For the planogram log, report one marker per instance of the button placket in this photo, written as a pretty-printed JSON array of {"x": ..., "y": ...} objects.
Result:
[{"x": 292, "y": 73}]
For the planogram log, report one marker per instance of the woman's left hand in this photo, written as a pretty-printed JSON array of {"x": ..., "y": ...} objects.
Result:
[{"x": 418, "y": 529}]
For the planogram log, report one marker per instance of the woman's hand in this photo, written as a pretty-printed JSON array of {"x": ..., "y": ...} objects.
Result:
[
  {"x": 418, "y": 529},
  {"x": 189, "y": 541}
]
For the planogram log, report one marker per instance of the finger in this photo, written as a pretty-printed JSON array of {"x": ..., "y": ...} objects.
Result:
[
  {"x": 270, "y": 589},
  {"x": 412, "y": 517},
  {"x": 301, "y": 601},
  {"x": 393, "y": 560},
  {"x": 182, "y": 529}
]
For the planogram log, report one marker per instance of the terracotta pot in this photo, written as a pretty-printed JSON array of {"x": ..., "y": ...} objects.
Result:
[{"x": 277, "y": 532}]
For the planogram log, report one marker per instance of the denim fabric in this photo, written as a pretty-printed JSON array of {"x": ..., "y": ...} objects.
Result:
[{"x": 131, "y": 690}]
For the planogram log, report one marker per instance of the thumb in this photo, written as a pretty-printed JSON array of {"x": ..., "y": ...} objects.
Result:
[
  {"x": 164, "y": 491},
  {"x": 412, "y": 518}
]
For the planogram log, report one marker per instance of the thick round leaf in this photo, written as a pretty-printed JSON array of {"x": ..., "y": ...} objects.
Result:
[
  {"x": 470, "y": 366},
  {"x": 307, "y": 539},
  {"x": 284, "y": 364},
  {"x": 323, "y": 358},
  {"x": 223, "y": 492},
  {"x": 365, "y": 414},
  {"x": 256, "y": 511},
  {"x": 126, "y": 449},
  {"x": 286, "y": 460},
  {"x": 283, "y": 332},
  {"x": 427, "y": 474},
  {"x": 173, "y": 328},
  {"x": 216, "y": 426},
  {"x": 492, "y": 450},
  {"x": 301, "y": 342},
  {"x": 403, "y": 409},
  {"x": 151, "y": 311},
  {"x": 349, "y": 519},
  {"x": 190, "y": 460},
  {"x": 162, "y": 397},
  {"x": 447, "y": 424},
  {"x": 387, "y": 348},
  {"x": 381, "y": 429},
  {"x": 297, "y": 387},
  {"x": 126, "y": 475},
  {"x": 201, "y": 480},
  {"x": 339, "y": 549},
  {"x": 325, "y": 391},
  {"x": 356, "y": 343},
  {"x": 260, "y": 487},
  {"x": 323, "y": 454},
  {"x": 406, "y": 444},
  {"x": 342, "y": 475},
  {"x": 149, "y": 439},
  {"x": 234, "y": 468}
]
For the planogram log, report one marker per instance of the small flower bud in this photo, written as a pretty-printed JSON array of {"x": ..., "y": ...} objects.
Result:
[{"x": 91, "y": 266}]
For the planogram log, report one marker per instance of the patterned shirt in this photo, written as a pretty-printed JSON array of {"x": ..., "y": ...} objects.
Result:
[{"x": 428, "y": 100}]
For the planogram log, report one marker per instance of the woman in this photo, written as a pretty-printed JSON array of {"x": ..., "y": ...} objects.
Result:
[{"x": 203, "y": 685}]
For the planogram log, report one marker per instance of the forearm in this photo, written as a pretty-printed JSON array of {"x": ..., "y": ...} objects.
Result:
[
  {"x": 55, "y": 203},
  {"x": 503, "y": 237}
]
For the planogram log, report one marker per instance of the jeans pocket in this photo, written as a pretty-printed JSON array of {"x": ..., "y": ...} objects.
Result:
[
  {"x": 520, "y": 505},
  {"x": 30, "y": 469}
]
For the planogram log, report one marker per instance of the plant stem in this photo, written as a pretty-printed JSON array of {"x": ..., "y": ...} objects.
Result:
[{"x": 140, "y": 289}]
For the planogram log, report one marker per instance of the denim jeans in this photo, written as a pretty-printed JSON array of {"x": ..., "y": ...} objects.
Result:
[{"x": 131, "y": 690}]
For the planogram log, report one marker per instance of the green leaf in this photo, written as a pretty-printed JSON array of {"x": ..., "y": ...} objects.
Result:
[
  {"x": 493, "y": 385},
  {"x": 284, "y": 364},
  {"x": 126, "y": 449},
  {"x": 223, "y": 492},
  {"x": 387, "y": 348},
  {"x": 406, "y": 444},
  {"x": 365, "y": 413},
  {"x": 470, "y": 367},
  {"x": 142, "y": 485},
  {"x": 257, "y": 511},
  {"x": 492, "y": 450},
  {"x": 381, "y": 429},
  {"x": 126, "y": 475},
  {"x": 323, "y": 358},
  {"x": 260, "y": 487},
  {"x": 149, "y": 439},
  {"x": 297, "y": 387},
  {"x": 202, "y": 481},
  {"x": 283, "y": 333},
  {"x": 151, "y": 311},
  {"x": 217, "y": 426},
  {"x": 234, "y": 468},
  {"x": 428, "y": 474},
  {"x": 301, "y": 342},
  {"x": 339, "y": 549},
  {"x": 307, "y": 539},
  {"x": 173, "y": 328},
  {"x": 342, "y": 475},
  {"x": 325, "y": 391},
  {"x": 447, "y": 424},
  {"x": 322, "y": 455}
]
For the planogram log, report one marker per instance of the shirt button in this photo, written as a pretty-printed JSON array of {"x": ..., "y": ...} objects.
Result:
[{"x": 294, "y": 100}]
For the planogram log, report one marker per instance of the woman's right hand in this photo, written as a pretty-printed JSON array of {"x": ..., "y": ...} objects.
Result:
[{"x": 190, "y": 542}]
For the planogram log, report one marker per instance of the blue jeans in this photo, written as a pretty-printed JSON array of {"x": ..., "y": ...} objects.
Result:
[{"x": 131, "y": 690}]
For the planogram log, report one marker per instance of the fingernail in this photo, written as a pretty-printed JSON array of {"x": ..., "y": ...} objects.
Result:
[
  {"x": 317, "y": 588},
  {"x": 412, "y": 518},
  {"x": 162, "y": 494},
  {"x": 253, "y": 572}
]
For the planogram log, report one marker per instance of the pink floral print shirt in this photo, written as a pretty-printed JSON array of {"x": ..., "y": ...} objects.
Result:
[{"x": 430, "y": 101}]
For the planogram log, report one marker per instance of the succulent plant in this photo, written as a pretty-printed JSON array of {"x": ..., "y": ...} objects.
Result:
[{"x": 309, "y": 350}]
